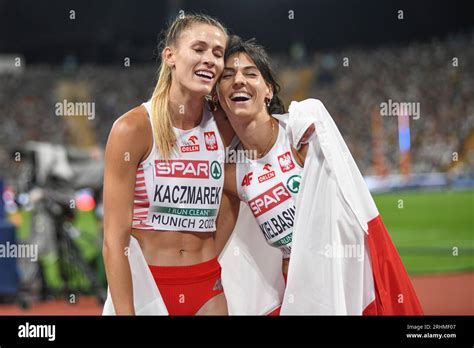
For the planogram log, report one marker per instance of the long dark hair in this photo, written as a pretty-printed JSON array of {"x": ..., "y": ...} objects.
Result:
[{"x": 260, "y": 57}]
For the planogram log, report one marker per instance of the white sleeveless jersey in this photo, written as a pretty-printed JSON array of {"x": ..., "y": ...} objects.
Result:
[
  {"x": 183, "y": 193},
  {"x": 269, "y": 187}
]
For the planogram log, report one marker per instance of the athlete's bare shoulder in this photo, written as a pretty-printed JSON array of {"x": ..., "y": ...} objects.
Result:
[
  {"x": 134, "y": 129},
  {"x": 134, "y": 120}
]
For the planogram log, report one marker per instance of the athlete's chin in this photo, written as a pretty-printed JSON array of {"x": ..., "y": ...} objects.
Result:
[
  {"x": 201, "y": 89},
  {"x": 241, "y": 113}
]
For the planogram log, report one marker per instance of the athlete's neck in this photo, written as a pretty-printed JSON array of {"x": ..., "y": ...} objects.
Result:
[
  {"x": 185, "y": 108},
  {"x": 256, "y": 133}
]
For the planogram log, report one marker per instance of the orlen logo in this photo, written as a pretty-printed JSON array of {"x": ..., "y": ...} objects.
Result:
[
  {"x": 210, "y": 140},
  {"x": 269, "y": 199},
  {"x": 269, "y": 173},
  {"x": 192, "y": 169},
  {"x": 191, "y": 145},
  {"x": 285, "y": 161}
]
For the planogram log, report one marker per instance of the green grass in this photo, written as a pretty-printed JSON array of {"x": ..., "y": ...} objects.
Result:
[{"x": 429, "y": 228}]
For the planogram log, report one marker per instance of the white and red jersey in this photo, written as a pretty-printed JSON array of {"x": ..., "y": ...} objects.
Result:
[
  {"x": 184, "y": 192},
  {"x": 269, "y": 187}
]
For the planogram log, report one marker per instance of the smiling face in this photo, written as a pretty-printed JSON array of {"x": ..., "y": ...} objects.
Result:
[
  {"x": 242, "y": 89},
  {"x": 197, "y": 59}
]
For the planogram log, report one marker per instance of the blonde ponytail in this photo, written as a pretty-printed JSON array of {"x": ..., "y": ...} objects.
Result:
[{"x": 161, "y": 117}]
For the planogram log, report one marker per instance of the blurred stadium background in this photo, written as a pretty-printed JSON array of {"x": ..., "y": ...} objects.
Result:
[{"x": 351, "y": 55}]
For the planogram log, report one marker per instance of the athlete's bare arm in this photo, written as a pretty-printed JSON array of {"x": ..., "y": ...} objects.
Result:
[
  {"x": 229, "y": 209},
  {"x": 126, "y": 146},
  {"x": 230, "y": 203},
  {"x": 225, "y": 128}
]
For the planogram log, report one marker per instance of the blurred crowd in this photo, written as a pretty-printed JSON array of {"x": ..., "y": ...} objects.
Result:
[
  {"x": 352, "y": 83},
  {"x": 437, "y": 75}
]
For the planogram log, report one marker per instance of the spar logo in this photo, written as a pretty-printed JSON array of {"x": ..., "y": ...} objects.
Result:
[
  {"x": 191, "y": 169},
  {"x": 285, "y": 161},
  {"x": 269, "y": 173},
  {"x": 191, "y": 145},
  {"x": 211, "y": 141},
  {"x": 269, "y": 199}
]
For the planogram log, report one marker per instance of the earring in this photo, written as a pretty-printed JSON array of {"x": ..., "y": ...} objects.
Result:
[
  {"x": 215, "y": 101},
  {"x": 267, "y": 101},
  {"x": 215, "y": 105},
  {"x": 212, "y": 102}
]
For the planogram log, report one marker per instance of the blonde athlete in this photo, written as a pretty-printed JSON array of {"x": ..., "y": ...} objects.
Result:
[{"x": 163, "y": 182}]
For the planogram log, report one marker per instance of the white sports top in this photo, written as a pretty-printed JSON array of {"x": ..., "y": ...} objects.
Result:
[
  {"x": 269, "y": 187},
  {"x": 183, "y": 193}
]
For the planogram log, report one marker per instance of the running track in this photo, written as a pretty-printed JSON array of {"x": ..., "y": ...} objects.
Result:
[{"x": 446, "y": 294}]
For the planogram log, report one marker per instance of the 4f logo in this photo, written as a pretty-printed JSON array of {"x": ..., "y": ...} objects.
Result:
[
  {"x": 285, "y": 161},
  {"x": 210, "y": 140},
  {"x": 191, "y": 145},
  {"x": 247, "y": 179}
]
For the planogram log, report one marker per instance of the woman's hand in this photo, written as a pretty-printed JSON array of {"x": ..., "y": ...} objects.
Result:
[{"x": 304, "y": 144}]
